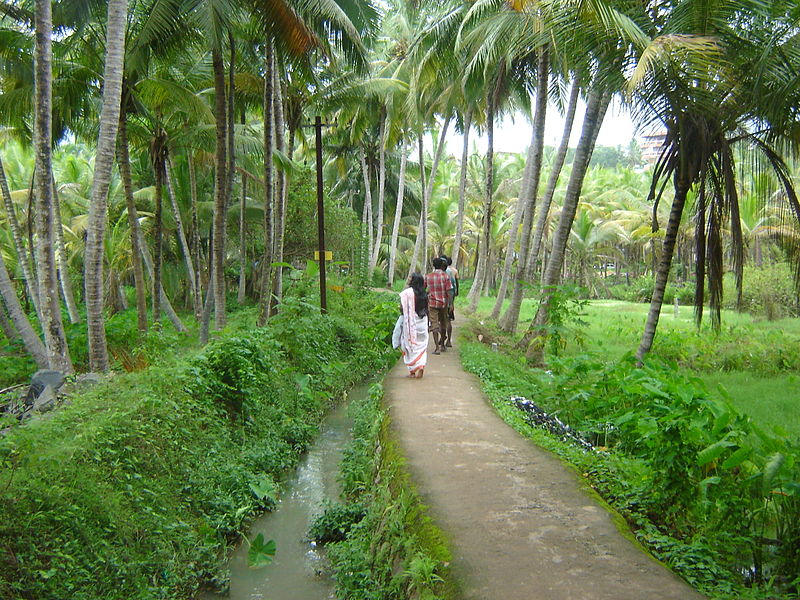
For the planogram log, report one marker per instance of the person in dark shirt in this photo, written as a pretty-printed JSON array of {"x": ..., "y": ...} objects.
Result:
[
  {"x": 438, "y": 302},
  {"x": 452, "y": 273}
]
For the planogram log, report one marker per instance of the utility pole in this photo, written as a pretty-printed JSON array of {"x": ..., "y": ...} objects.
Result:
[{"x": 323, "y": 299}]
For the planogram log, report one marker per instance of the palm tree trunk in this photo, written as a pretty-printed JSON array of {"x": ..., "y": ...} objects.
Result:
[
  {"x": 123, "y": 160},
  {"x": 662, "y": 274},
  {"x": 366, "y": 213},
  {"x": 176, "y": 213},
  {"x": 269, "y": 196},
  {"x": 197, "y": 300},
  {"x": 462, "y": 188},
  {"x": 398, "y": 212},
  {"x": 55, "y": 338},
  {"x": 419, "y": 241},
  {"x": 427, "y": 186},
  {"x": 220, "y": 187},
  {"x": 241, "y": 297},
  {"x": 552, "y": 181},
  {"x": 529, "y": 248},
  {"x": 381, "y": 184},
  {"x": 595, "y": 112},
  {"x": 158, "y": 238},
  {"x": 31, "y": 341},
  {"x": 164, "y": 302},
  {"x": 23, "y": 258},
  {"x": 104, "y": 163},
  {"x": 527, "y": 204},
  {"x": 9, "y": 331},
  {"x": 481, "y": 271},
  {"x": 522, "y": 207},
  {"x": 280, "y": 199},
  {"x": 62, "y": 266}
]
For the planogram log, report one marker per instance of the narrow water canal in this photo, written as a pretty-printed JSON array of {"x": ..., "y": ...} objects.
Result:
[{"x": 296, "y": 572}]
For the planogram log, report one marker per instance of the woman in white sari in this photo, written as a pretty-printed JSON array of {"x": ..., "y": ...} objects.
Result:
[{"x": 411, "y": 329}]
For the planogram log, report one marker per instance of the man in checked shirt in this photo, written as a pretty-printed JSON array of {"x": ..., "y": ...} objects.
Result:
[{"x": 438, "y": 284}]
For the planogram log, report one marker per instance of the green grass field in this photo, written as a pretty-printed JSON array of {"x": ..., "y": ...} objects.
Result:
[{"x": 754, "y": 361}]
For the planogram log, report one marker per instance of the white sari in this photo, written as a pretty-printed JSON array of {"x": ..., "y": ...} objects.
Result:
[{"x": 411, "y": 333}]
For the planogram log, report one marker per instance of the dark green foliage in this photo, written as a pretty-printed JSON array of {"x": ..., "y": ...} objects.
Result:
[
  {"x": 334, "y": 524},
  {"x": 705, "y": 488},
  {"x": 388, "y": 547},
  {"x": 138, "y": 488}
]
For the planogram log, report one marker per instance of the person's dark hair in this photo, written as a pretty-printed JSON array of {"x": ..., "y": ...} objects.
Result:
[
  {"x": 437, "y": 262},
  {"x": 448, "y": 261},
  {"x": 417, "y": 283}
]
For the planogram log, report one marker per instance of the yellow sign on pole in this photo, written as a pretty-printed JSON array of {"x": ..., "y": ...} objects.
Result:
[{"x": 328, "y": 255}]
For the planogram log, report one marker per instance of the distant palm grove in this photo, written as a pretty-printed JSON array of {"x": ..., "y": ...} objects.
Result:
[{"x": 162, "y": 153}]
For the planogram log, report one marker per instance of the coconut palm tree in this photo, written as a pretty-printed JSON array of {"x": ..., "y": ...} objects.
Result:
[
  {"x": 717, "y": 83},
  {"x": 104, "y": 162},
  {"x": 55, "y": 338}
]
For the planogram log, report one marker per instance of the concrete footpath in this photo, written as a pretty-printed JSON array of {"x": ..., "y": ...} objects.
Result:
[{"x": 520, "y": 523}]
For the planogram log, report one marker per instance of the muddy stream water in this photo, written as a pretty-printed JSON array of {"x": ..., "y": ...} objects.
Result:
[{"x": 298, "y": 571}]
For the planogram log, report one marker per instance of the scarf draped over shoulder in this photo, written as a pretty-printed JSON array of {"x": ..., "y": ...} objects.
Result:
[{"x": 408, "y": 304}]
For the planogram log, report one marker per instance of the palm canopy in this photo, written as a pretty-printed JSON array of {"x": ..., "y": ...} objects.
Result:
[{"x": 717, "y": 76}]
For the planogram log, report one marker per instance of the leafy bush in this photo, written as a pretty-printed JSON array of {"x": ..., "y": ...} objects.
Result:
[
  {"x": 767, "y": 291},
  {"x": 684, "y": 465},
  {"x": 137, "y": 489},
  {"x": 386, "y": 547}
]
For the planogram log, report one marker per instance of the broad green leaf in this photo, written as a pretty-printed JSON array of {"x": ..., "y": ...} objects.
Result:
[
  {"x": 260, "y": 553},
  {"x": 772, "y": 467},
  {"x": 713, "y": 452},
  {"x": 737, "y": 458},
  {"x": 263, "y": 488},
  {"x": 721, "y": 422}
]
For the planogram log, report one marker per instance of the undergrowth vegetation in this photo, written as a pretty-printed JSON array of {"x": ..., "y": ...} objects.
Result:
[
  {"x": 711, "y": 493},
  {"x": 138, "y": 488},
  {"x": 381, "y": 543}
]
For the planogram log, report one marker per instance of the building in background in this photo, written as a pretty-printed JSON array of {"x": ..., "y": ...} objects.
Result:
[{"x": 651, "y": 145}]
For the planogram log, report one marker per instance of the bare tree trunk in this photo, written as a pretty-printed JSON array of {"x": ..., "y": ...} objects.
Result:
[
  {"x": 197, "y": 300},
  {"x": 158, "y": 238},
  {"x": 662, "y": 274},
  {"x": 23, "y": 258},
  {"x": 401, "y": 185},
  {"x": 427, "y": 186},
  {"x": 366, "y": 213},
  {"x": 208, "y": 306},
  {"x": 104, "y": 163},
  {"x": 381, "y": 184},
  {"x": 595, "y": 112},
  {"x": 242, "y": 295},
  {"x": 31, "y": 341},
  {"x": 9, "y": 331},
  {"x": 123, "y": 160},
  {"x": 462, "y": 189},
  {"x": 220, "y": 187},
  {"x": 266, "y": 260},
  {"x": 62, "y": 265},
  {"x": 531, "y": 192},
  {"x": 552, "y": 181},
  {"x": 418, "y": 242},
  {"x": 164, "y": 302},
  {"x": 480, "y": 273},
  {"x": 55, "y": 338},
  {"x": 176, "y": 214},
  {"x": 521, "y": 208},
  {"x": 280, "y": 199}
]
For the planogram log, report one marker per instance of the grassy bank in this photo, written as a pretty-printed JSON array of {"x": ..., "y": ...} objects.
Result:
[
  {"x": 138, "y": 487},
  {"x": 712, "y": 494},
  {"x": 754, "y": 360},
  {"x": 380, "y": 541}
]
